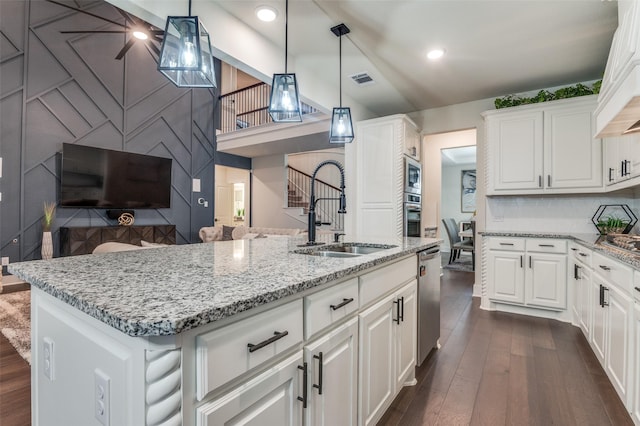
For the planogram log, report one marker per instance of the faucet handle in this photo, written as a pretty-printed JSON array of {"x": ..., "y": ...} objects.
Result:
[{"x": 336, "y": 236}]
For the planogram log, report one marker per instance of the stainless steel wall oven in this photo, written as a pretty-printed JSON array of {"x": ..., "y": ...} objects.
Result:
[{"x": 412, "y": 214}]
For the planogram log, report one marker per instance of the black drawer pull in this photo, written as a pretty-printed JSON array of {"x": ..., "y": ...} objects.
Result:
[
  {"x": 319, "y": 385},
  {"x": 304, "y": 367},
  {"x": 574, "y": 249},
  {"x": 540, "y": 181},
  {"x": 344, "y": 302},
  {"x": 605, "y": 268},
  {"x": 546, "y": 245},
  {"x": 397, "y": 319},
  {"x": 582, "y": 254},
  {"x": 402, "y": 309},
  {"x": 637, "y": 288},
  {"x": 276, "y": 336},
  {"x": 506, "y": 244}
]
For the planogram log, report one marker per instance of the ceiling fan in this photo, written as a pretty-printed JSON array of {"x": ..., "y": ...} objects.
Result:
[{"x": 139, "y": 30}]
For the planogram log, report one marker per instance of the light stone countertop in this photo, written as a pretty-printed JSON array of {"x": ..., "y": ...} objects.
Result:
[
  {"x": 167, "y": 290},
  {"x": 590, "y": 241}
]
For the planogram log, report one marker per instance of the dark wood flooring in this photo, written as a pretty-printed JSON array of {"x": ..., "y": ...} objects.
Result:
[
  {"x": 495, "y": 368},
  {"x": 492, "y": 369}
]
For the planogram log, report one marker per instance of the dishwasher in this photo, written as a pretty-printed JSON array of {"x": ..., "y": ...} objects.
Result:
[{"x": 428, "y": 301}]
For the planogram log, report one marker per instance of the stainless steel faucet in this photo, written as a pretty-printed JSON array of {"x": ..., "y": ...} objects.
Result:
[{"x": 342, "y": 208}]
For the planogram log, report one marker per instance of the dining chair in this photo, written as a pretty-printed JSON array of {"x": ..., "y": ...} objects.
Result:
[{"x": 455, "y": 243}]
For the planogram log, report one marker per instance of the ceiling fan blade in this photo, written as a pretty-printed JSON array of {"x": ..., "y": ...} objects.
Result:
[
  {"x": 126, "y": 47},
  {"x": 127, "y": 18},
  {"x": 157, "y": 32},
  {"x": 87, "y": 13}
]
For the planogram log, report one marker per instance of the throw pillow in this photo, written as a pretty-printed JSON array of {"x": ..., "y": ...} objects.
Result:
[
  {"x": 239, "y": 232},
  {"x": 261, "y": 235},
  {"x": 227, "y": 232}
]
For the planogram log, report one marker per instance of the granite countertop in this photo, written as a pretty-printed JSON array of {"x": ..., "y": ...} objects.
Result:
[
  {"x": 167, "y": 290},
  {"x": 590, "y": 241}
]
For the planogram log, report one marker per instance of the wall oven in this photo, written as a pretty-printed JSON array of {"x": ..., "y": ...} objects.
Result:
[
  {"x": 412, "y": 176},
  {"x": 412, "y": 213}
]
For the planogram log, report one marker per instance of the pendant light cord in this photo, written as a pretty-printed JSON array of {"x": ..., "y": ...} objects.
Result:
[
  {"x": 189, "y": 7},
  {"x": 286, "y": 33},
  {"x": 340, "y": 71}
]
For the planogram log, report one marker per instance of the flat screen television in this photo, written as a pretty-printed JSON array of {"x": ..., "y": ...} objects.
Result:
[{"x": 103, "y": 178}]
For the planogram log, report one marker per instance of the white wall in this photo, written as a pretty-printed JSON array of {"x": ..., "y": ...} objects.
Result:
[
  {"x": 308, "y": 161},
  {"x": 269, "y": 189},
  {"x": 451, "y": 196}
]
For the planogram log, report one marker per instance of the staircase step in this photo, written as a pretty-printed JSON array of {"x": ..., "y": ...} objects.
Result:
[
  {"x": 299, "y": 204},
  {"x": 295, "y": 197}
]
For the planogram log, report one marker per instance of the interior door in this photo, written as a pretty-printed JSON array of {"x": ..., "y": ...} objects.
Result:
[{"x": 224, "y": 205}]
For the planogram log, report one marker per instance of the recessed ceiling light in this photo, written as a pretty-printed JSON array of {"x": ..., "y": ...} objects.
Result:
[
  {"x": 266, "y": 13},
  {"x": 140, "y": 35},
  {"x": 435, "y": 54}
]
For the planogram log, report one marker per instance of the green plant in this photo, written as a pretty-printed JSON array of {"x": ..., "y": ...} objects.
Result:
[
  {"x": 611, "y": 224},
  {"x": 49, "y": 215},
  {"x": 545, "y": 95}
]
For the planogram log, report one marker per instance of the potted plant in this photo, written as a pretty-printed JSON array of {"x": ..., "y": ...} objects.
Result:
[
  {"x": 611, "y": 225},
  {"x": 47, "y": 221}
]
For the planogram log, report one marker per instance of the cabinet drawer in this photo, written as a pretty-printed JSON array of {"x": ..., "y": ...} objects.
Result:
[
  {"x": 325, "y": 307},
  {"x": 509, "y": 244},
  {"x": 614, "y": 272},
  {"x": 384, "y": 280},
  {"x": 222, "y": 355},
  {"x": 546, "y": 245},
  {"x": 580, "y": 253}
]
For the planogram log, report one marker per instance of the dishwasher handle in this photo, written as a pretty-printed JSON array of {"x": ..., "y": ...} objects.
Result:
[{"x": 429, "y": 253}]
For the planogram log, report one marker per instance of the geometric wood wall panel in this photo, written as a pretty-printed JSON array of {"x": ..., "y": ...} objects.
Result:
[{"x": 79, "y": 93}]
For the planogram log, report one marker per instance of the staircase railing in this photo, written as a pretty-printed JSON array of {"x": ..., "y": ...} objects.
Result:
[
  {"x": 248, "y": 107},
  {"x": 299, "y": 191}
]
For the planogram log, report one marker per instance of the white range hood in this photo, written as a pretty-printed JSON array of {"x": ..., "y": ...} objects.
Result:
[{"x": 618, "y": 110}]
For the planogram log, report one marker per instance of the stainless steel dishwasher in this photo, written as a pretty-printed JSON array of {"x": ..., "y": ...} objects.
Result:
[{"x": 428, "y": 301}]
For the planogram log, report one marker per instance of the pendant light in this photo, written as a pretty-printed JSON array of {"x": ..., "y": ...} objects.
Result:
[
  {"x": 284, "y": 102},
  {"x": 341, "y": 125},
  {"x": 186, "y": 56}
]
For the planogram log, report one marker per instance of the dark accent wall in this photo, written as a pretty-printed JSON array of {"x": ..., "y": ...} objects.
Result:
[{"x": 57, "y": 88}]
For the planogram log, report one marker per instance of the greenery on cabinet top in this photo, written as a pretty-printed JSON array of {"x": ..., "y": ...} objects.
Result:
[{"x": 545, "y": 95}]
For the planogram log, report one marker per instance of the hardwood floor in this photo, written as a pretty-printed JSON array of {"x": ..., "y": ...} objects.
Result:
[
  {"x": 492, "y": 369},
  {"x": 495, "y": 368},
  {"x": 15, "y": 387}
]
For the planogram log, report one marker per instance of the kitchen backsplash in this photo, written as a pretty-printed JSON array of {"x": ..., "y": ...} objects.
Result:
[{"x": 550, "y": 214}]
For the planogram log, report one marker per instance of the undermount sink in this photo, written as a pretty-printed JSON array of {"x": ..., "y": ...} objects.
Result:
[{"x": 345, "y": 249}]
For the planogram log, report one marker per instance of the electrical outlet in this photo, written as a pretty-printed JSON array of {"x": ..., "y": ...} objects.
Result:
[
  {"x": 102, "y": 397},
  {"x": 5, "y": 261},
  {"x": 48, "y": 358}
]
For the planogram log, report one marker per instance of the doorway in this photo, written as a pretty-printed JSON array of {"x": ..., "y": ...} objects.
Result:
[{"x": 233, "y": 201}]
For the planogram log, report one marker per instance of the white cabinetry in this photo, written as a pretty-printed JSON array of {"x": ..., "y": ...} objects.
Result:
[
  {"x": 636, "y": 334},
  {"x": 388, "y": 351},
  {"x": 269, "y": 399},
  {"x": 580, "y": 271},
  {"x": 374, "y": 168},
  {"x": 622, "y": 161},
  {"x": 332, "y": 364},
  {"x": 612, "y": 322},
  {"x": 546, "y": 148},
  {"x": 530, "y": 272}
]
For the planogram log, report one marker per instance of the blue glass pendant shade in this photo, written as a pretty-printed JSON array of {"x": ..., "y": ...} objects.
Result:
[
  {"x": 341, "y": 126},
  {"x": 284, "y": 102}
]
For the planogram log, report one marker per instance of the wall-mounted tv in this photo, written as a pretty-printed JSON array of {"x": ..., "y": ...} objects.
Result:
[{"x": 102, "y": 178}]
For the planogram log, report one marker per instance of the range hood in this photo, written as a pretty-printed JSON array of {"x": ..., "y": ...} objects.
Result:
[{"x": 618, "y": 110}]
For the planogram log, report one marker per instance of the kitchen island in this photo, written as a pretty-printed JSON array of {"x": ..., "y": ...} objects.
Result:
[{"x": 202, "y": 333}]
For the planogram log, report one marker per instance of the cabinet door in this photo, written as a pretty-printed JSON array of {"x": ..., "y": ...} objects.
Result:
[
  {"x": 269, "y": 399},
  {"x": 629, "y": 155},
  {"x": 612, "y": 164},
  {"x": 573, "y": 157},
  {"x": 636, "y": 335},
  {"x": 585, "y": 304},
  {"x": 411, "y": 141},
  {"x": 619, "y": 321},
  {"x": 574, "y": 270},
  {"x": 506, "y": 276},
  {"x": 333, "y": 377},
  {"x": 599, "y": 320},
  {"x": 516, "y": 150},
  {"x": 376, "y": 384},
  {"x": 406, "y": 334},
  {"x": 546, "y": 280}
]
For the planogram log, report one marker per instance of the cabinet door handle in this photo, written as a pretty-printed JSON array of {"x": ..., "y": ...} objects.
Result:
[
  {"x": 397, "y": 303},
  {"x": 575, "y": 272},
  {"x": 604, "y": 267},
  {"x": 521, "y": 261},
  {"x": 276, "y": 336},
  {"x": 530, "y": 263},
  {"x": 344, "y": 302},
  {"x": 610, "y": 174},
  {"x": 637, "y": 288},
  {"x": 506, "y": 244},
  {"x": 546, "y": 245},
  {"x": 304, "y": 367},
  {"x": 574, "y": 249},
  {"x": 601, "y": 302},
  {"x": 540, "y": 181},
  {"x": 402, "y": 309},
  {"x": 319, "y": 385},
  {"x": 622, "y": 173},
  {"x": 582, "y": 254},
  {"x": 549, "y": 181}
]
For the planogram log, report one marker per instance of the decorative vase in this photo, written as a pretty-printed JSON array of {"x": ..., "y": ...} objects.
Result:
[{"x": 47, "y": 246}]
